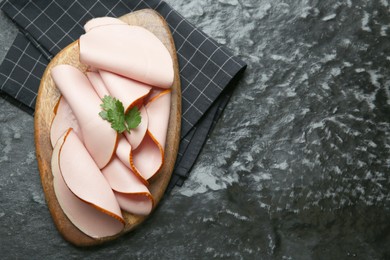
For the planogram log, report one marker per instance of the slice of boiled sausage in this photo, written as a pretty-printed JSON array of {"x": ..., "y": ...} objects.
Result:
[
  {"x": 99, "y": 138},
  {"x": 92, "y": 219},
  {"x": 148, "y": 158},
  {"x": 130, "y": 51},
  {"x": 132, "y": 194}
]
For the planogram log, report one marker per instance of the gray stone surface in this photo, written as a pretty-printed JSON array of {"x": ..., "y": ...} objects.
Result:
[{"x": 297, "y": 168}]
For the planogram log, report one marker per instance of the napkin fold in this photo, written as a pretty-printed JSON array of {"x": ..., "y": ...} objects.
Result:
[{"x": 207, "y": 69}]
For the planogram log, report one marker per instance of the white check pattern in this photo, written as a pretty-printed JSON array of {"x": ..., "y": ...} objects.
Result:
[{"x": 46, "y": 27}]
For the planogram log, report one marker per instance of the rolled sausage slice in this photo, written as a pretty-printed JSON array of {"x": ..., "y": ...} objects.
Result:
[
  {"x": 90, "y": 217},
  {"x": 132, "y": 194},
  {"x": 148, "y": 158},
  {"x": 123, "y": 151},
  {"x": 130, "y": 51},
  {"x": 158, "y": 109},
  {"x": 99, "y": 138}
]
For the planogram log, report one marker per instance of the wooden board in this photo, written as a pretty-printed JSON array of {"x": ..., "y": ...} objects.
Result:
[{"x": 48, "y": 97}]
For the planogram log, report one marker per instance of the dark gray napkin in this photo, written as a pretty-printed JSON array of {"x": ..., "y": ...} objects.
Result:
[{"x": 206, "y": 68}]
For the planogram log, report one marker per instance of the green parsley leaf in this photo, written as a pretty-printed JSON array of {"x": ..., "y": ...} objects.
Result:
[
  {"x": 103, "y": 114},
  {"x": 108, "y": 103},
  {"x": 133, "y": 118},
  {"x": 114, "y": 112}
]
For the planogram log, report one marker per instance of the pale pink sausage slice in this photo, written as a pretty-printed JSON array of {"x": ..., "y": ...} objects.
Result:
[
  {"x": 84, "y": 178},
  {"x": 99, "y": 138},
  {"x": 97, "y": 84},
  {"x": 63, "y": 120},
  {"x": 135, "y": 203},
  {"x": 158, "y": 110},
  {"x": 128, "y": 91},
  {"x": 149, "y": 157},
  {"x": 122, "y": 179},
  {"x": 123, "y": 150},
  {"x": 134, "y": 196},
  {"x": 130, "y": 51},
  {"x": 89, "y": 219},
  {"x": 102, "y": 21}
]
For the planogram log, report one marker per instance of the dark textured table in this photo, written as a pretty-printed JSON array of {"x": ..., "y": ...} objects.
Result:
[{"x": 297, "y": 168}]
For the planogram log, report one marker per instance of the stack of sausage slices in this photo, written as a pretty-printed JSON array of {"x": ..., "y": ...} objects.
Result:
[{"x": 100, "y": 171}]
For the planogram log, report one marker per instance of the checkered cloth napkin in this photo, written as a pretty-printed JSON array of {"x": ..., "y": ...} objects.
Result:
[{"x": 206, "y": 68}]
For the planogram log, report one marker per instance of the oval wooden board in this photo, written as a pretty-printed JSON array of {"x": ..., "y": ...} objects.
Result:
[{"x": 47, "y": 99}]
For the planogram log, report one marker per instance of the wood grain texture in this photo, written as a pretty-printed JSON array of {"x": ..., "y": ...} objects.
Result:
[{"x": 47, "y": 99}]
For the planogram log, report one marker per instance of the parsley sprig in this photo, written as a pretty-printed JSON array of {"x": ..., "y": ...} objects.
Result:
[{"x": 114, "y": 112}]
